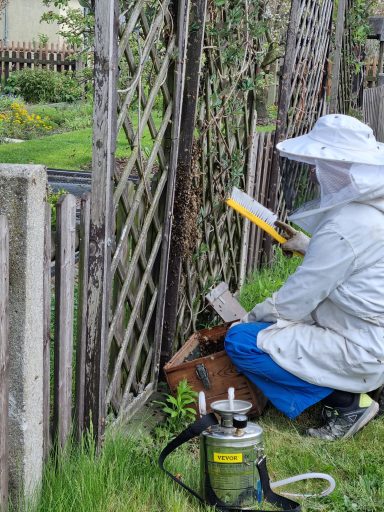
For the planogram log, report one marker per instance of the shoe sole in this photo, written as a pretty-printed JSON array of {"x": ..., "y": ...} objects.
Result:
[{"x": 369, "y": 414}]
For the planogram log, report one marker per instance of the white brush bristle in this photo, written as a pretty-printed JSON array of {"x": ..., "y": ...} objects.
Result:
[{"x": 254, "y": 206}]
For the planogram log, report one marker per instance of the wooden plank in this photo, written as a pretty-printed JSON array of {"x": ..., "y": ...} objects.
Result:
[
  {"x": 47, "y": 333},
  {"x": 250, "y": 183},
  {"x": 337, "y": 56},
  {"x": 183, "y": 178},
  {"x": 85, "y": 211},
  {"x": 64, "y": 304},
  {"x": 380, "y": 122},
  {"x": 103, "y": 164},
  {"x": 4, "y": 354},
  {"x": 284, "y": 96}
]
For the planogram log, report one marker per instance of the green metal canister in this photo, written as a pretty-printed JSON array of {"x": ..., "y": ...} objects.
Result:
[{"x": 229, "y": 454}]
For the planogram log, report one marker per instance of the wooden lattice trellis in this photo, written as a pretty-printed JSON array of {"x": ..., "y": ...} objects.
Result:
[
  {"x": 302, "y": 97},
  {"x": 351, "y": 82},
  {"x": 225, "y": 120},
  {"x": 147, "y": 47},
  {"x": 136, "y": 98}
]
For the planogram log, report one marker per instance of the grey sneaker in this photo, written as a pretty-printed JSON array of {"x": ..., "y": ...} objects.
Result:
[{"x": 344, "y": 423}]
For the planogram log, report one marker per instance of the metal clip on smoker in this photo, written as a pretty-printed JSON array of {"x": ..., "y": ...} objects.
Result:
[{"x": 233, "y": 471}]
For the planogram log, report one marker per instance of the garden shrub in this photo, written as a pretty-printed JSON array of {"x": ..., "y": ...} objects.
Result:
[
  {"x": 18, "y": 123},
  {"x": 43, "y": 86}
]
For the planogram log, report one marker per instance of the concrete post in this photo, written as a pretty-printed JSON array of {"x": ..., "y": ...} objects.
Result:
[{"x": 22, "y": 200}]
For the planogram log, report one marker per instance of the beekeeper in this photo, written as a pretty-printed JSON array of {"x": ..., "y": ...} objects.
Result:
[{"x": 321, "y": 336}]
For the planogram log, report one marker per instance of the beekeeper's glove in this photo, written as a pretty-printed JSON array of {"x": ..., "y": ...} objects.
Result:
[{"x": 297, "y": 241}]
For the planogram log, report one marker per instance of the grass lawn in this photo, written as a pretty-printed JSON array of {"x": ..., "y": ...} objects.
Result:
[
  {"x": 68, "y": 150},
  {"x": 72, "y": 148},
  {"x": 125, "y": 476}
]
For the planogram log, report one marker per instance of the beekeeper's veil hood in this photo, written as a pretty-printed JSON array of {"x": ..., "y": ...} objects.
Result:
[{"x": 349, "y": 166}]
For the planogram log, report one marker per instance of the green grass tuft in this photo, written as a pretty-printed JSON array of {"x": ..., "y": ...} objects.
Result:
[
  {"x": 124, "y": 477},
  {"x": 262, "y": 283}
]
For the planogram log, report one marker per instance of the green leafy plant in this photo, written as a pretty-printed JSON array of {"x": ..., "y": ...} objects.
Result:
[
  {"x": 42, "y": 85},
  {"x": 177, "y": 408},
  {"x": 52, "y": 199}
]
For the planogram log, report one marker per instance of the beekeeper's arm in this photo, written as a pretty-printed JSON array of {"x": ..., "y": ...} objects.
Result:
[{"x": 328, "y": 262}]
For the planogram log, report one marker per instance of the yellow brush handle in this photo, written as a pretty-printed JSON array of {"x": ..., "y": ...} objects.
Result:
[
  {"x": 256, "y": 220},
  {"x": 259, "y": 222}
]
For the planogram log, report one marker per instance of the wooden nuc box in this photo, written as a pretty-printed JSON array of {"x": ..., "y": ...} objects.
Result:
[{"x": 203, "y": 362}]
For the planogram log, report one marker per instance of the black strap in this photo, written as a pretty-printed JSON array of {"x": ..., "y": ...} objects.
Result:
[{"x": 194, "y": 430}]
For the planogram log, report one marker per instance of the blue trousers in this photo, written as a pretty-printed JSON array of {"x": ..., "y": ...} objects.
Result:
[{"x": 288, "y": 393}]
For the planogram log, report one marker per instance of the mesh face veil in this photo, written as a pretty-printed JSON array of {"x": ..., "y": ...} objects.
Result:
[
  {"x": 339, "y": 183},
  {"x": 349, "y": 165}
]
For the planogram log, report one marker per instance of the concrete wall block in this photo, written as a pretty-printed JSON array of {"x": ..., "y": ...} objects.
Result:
[{"x": 22, "y": 200}]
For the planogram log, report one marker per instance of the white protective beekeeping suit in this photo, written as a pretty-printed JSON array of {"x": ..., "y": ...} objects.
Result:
[{"x": 329, "y": 316}]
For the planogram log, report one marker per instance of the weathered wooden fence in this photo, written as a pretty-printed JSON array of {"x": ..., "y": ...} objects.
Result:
[
  {"x": 130, "y": 224},
  {"x": 303, "y": 94},
  {"x": 18, "y": 56},
  {"x": 257, "y": 186},
  {"x": 65, "y": 280},
  {"x": 373, "y": 110}
]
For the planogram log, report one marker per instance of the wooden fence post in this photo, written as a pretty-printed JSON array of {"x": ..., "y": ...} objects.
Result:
[
  {"x": 64, "y": 284},
  {"x": 103, "y": 162},
  {"x": 4, "y": 285},
  {"x": 47, "y": 332},
  {"x": 183, "y": 177},
  {"x": 249, "y": 188},
  {"x": 284, "y": 98},
  {"x": 179, "y": 72},
  {"x": 333, "y": 101},
  {"x": 82, "y": 313}
]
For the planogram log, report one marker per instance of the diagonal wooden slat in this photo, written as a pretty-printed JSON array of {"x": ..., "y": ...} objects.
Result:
[
  {"x": 132, "y": 20},
  {"x": 138, "y": 349}
]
